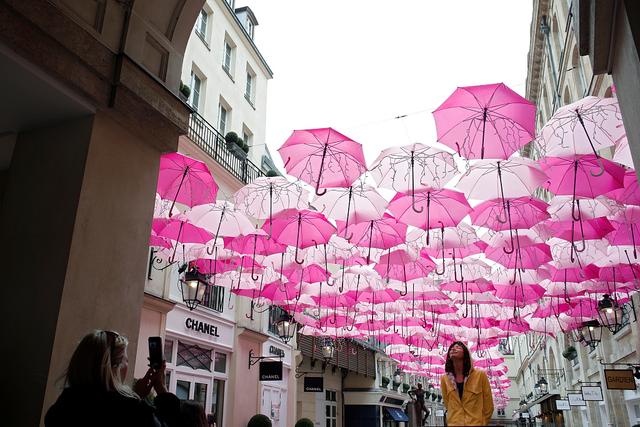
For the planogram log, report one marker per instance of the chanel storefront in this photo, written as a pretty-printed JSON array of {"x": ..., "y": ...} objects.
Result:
[{"x": 198, "y": 351}]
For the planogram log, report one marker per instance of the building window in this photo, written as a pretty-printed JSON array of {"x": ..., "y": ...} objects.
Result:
[
  {"x": 168, "y": 350},
  {"x": 217, "y": 401},
  {"x": 248, "y": 92},
  {"x": 250, "y": 28},
  {"x": 193, "y": 356},
  {"x": 220, "y": 363},
  {"x": 196, "y": 86},
  {"x": 222, "y": 119},
  {"x": 227, "y": 60},
  {"x": 331, "y": 408},
  {"x": 201, "y": 25},
  {"x": 214, "y": 298},
  {"x": 230, "y": 3}
]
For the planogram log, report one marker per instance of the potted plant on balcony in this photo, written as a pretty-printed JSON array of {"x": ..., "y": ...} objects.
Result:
[
  {"x": 231, "y": 138},
  {"x": 570, "y": 353},
  {"x": 385, "y": 382},
  {"x": 406, "y": 388},
  {"x": 184, "y": 91},
  {"x": 272, "y": 173}
]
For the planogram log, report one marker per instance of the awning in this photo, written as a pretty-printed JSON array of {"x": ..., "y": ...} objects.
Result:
[
  {"x": 541, "y": 399},
  {"x": 396, "y": 414}
]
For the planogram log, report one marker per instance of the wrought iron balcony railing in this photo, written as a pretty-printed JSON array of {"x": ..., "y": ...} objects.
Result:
[{"x": 212, "y": 142}]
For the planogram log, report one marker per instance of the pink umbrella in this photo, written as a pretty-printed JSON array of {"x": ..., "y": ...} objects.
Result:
[
  {"x": 381, "y": 233},
  {"x": 583, "y": 127},
  {"x": 487, "y": 121},
  {"x": 590, "y": 229},
  {"x": 521, "y": 212},
  {"x": 625, "y": 235},
  {"x": 300, "y": 229},
  {"x": 521, "y": 294},
  {"x": 629, "y": 194},
  {"x": 416, "y": 166},
  {"x": 185, "y": 180},
  {"x": 256, "y": 243},
  {"x": 360, "y": 202},
  {"x": 180, "y": 231},
  {"x": 443, "y": 208},
  {"x": 622, "y": 153},
  {"x": 323, "y": 158},
  {"x": 398, "y": 265},
  {"x": 562, "y": 208},
  {"x": 576, "y": 176}
]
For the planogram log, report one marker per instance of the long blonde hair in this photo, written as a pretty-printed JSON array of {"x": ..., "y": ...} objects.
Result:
[{"x": 96, "y": 363}]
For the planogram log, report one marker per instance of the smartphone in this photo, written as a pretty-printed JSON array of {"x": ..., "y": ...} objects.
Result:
[{"x": 155, "y": 352}]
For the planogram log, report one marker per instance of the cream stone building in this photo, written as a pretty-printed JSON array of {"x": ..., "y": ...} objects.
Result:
[{"x": 558, "y": 75}]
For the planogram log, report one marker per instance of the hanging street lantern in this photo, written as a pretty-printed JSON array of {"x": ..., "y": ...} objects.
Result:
[
  {"x": 591, "y": 332},
  {"x": 286, "y": 327},
  {"x": 397, "y": 377},
  {"x": 327, "y": 349},
  {"x": 193, "y": 285},
  {"x": 610, "y": 314},
  {"x": 536, "y": 389},
  {"x": 543, "y": 385}
]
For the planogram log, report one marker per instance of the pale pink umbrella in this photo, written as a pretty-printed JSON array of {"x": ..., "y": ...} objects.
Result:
[
  {"x": 268, "y": 195},
  {"x": 622, "y": 153},
  {"x": 323, "y": 158},
  {"x": 565, "y": 256},
  {"x": 583, "y": 127},
  {"x": 490, "y": 179},
  {"x": 487, "y": 121},
  {"x": 382, "y": 233},
  {"x": 219, "y": 218},
  {"x": 181, "y": 231},
  {"x": 360, "y": 202},
  {"x": 563, "y": 208},
  {"x": 300, "y": 229},
  {"x": 255, "y": 243},
  {"x": 399, "y": 265},
  {"x": 185, "y": 180},
  {"x": 430, "y": 208},
  {"x": 413, "y": 167}
]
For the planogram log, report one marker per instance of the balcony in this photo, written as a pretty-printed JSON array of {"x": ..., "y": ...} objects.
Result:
[{"x": 212, "y": 142}]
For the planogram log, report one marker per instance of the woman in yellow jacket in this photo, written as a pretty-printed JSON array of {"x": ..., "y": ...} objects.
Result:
[{"x": 466, "y": 391}]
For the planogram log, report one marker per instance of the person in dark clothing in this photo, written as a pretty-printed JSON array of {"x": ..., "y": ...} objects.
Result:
[
  {"x": 95, "y": 393},
  {"x": 418, "y": 395},
  {"x": 192, "y": 414}
]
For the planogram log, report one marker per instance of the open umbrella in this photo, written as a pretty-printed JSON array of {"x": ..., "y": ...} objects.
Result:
[
  {"x": 185, "y": 180},
  {"x": 413, "y": 167},
  {"x": 487, "y": 121},
  {"x": 323, "y": 158}
]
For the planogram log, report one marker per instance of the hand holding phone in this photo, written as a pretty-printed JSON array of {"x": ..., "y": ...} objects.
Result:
[{"x": 155, "y": 352}]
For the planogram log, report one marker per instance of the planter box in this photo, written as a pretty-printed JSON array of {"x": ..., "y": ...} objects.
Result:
[{"x": 237, "y": 151}]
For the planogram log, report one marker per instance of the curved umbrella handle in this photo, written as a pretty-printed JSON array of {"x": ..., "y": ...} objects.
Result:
[
  {"x": 298, "y": 240},
  {"x": 575, "y": 209},
  {"x": 440, "y": 273},
  {"x": 413, "y": 187},
  {"x": 324, "y": 155},
  {"x": 601, "y": 168},
  {"x": 250, "y": 315},
  {"x": 348, "y": 239},
  {"x": 413, "y": 205},
  {"x": 455, "y": 275},
  {"x": 229, "y": 306}
]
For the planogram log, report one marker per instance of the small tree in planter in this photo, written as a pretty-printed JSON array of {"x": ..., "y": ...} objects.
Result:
[
  {"x": 259, "y": 420},
  {"x": 245, "y": 147},
  {"x": 406, "y": 388},
  {"x": 272, "y": 173},
  {"x": 304, "y": 422},
  {"x": 185, "y": 91},
  {"x": 231, "y": 138},
  {"x": 570, "y": 353}
]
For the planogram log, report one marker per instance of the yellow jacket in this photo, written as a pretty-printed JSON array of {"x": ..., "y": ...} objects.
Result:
[{"x": 476, "y": 406}]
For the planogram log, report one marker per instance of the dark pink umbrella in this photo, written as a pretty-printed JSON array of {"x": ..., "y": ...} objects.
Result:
[
  {"x": 521, "y": 294},
  {"x": 185, "y": 180},
  {"x": 625, "y": 234},
  {"x": 430, "y": 208},
  {"x": 590, "y": 229},
  {"x": 576, "y": 175},
  {"x": 382, "y": 233},
  {"x": 487, "y": 121},
  {"x": 300, "y": 229},
  {"x": 520, "y": 212},
  {"x": 629, "y": 194},
  {"x": 323, "y": 158}
]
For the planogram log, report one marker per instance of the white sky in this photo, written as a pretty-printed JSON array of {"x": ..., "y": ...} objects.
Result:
[{"x": 354, "y": 65}]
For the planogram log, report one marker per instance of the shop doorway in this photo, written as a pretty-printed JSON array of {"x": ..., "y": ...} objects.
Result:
[
  {"x": 192, "y": 387},
  {"x": 274, "y": 405}
]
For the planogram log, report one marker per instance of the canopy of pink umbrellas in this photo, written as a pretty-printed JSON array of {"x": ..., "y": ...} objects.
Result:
[{"x": 460, "y": 245}]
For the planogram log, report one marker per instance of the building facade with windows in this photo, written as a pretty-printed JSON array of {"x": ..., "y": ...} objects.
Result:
[
  {"x": 558, "y": 75},
  {"x": 228, "y": 76},
  {"x": 208, "y": 348}
]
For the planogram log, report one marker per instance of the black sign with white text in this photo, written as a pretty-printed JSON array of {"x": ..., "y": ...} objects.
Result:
[
  {"x": 270, "y": 371},
  {"x": 314, "y": 384}
]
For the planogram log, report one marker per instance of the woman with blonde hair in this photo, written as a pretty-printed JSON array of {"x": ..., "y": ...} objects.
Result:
[
  {"x": 466, "y": 391},
  {"x": 95, "y": 393}
]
